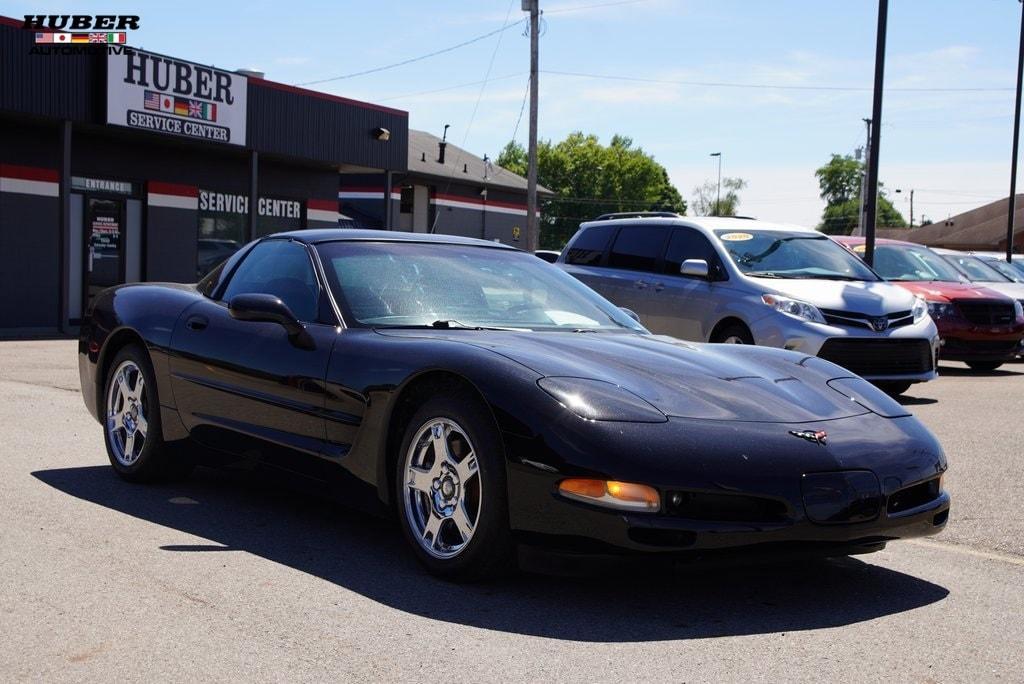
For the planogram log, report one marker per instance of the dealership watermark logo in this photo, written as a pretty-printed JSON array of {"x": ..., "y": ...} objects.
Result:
[{"x": 70, "y": 34}]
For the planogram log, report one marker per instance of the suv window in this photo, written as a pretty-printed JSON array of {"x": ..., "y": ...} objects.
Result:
[
  {"x": 637, "y": 248},
  {"x": 687, "y": 243},
  {"x": 281, "y": 268},
  {"x": 587, "y": 249}
]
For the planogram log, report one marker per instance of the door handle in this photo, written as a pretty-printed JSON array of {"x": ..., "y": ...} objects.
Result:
[
  {"x": 196, "y": 323},
  {"x": 658, "y": 287},
  {"x": 640, "y": 284}
]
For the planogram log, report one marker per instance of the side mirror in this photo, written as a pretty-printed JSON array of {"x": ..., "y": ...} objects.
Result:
[
  {"x": 269, "y": 309},
  {"x": 697, "y": 268},
  {"x": 629, "y": 312}
]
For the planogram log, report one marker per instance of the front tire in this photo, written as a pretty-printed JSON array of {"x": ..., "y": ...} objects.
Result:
[
  {"x": 733, "y": 333},
  {"x": 451, "y": 489},
  {"x": 893, "y": 389},
  {"x": 131, "y": 420},
  {"x": 984, "y": 366}
]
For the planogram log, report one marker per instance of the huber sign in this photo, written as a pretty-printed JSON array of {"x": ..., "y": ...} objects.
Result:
[{"x": 167, "y": 95}]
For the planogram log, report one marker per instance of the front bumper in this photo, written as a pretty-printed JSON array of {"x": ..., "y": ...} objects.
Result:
[
  {"x": 965, "y": 341},
  {"x": 761, "y": 469},
  {"x": 780, "y": 330}
]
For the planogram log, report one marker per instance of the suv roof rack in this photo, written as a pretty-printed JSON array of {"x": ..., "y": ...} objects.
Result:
[{"x": 637, "y": 214}]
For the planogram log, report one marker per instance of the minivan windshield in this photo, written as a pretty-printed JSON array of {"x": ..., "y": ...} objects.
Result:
[
  {"x": 791, "y": 254},
  {"x": 916, "y": 264},
  {"x": 976, "y": 269},
  {"x": 450, "y": 286}
]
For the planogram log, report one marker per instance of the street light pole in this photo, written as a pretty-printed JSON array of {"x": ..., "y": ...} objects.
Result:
[
  {"x": 718, "y": 194},
  {"x": 1011, "y": 206},
  {"x": 532, "y": 227},
  {"x": 871, "y": 194},
  {"x": 900, "y": 190}
]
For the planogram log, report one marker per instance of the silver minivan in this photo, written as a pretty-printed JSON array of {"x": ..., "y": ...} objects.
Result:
[{"x": 743, "y": 281}]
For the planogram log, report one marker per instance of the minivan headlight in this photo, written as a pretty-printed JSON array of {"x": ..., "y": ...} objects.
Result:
[
  {"x": 940, "y": 310},
  {"x": 794, "y": 308},
  {"x": 920, "y": 309}
]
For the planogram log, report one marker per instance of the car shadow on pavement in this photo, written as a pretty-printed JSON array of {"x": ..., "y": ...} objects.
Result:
[
  {"x": 367, "y": 555},
  {"x": 1001, "y": 372}
]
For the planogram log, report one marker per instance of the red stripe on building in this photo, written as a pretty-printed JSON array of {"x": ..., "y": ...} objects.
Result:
[
  {"x": 11, "y": 22},
  {"x": 478, "y": 201},
  {"x": 262, "y": 82},
  {"x": 322, "y": 204},
  {"x": 160, "y": 188},
  {"x": 29, "y": 173}
]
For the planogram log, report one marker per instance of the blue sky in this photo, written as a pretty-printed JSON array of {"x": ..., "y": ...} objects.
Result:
[{"x": 952, "y": 147}]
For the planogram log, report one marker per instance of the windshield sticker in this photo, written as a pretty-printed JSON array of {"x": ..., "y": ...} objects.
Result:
[
  {"x": 860, "y": 249},
  {"x": 737, "y": 237}
]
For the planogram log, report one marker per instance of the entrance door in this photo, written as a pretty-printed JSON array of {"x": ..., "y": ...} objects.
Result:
[{"x": 104, "y": 246}]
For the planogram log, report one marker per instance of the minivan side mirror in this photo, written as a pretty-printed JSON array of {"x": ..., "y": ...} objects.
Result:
[
  {"x": 267, "y": 308},
  {"x": 697, "y": 268},
  {"x": 629, "y": 312}
]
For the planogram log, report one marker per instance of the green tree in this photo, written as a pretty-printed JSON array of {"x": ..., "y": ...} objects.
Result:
[
  {"x": 840, "y": 181},
  {"x": 590, "y": 179},
  {"x": 706, "y": 200}
]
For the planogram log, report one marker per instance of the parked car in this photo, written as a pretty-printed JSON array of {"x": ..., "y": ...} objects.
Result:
[
  {"x": 495, "y": 405},
  {"x": 1017, "y": 260},
  {"x": 751, "y": 282},
  {"x": 548, "y": 255},
  {"x": 978, "y": 325},
  {"x": 981, "y": 272},
  {"x": 1013, "y": 270}
]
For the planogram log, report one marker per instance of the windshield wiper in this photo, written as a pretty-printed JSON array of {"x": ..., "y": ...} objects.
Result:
[
  {"x": 764, "y": 274},
  {"x": 451, "y": 323}
]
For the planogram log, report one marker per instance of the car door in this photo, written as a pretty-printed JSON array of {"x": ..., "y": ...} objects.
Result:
[
  {"x": 584, "y": 257},
  {"x": 246, "y": 386},
  {"x": 685, "y": 306},
  {"x": 631, "y": 269}
]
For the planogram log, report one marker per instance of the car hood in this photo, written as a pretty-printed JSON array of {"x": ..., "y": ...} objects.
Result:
[
  {"x": 870, "y": 298},
  {"x": 703, "y": 381},
  {"x": 1015, "y": 290},
  {"x": 937, "y": 291}
]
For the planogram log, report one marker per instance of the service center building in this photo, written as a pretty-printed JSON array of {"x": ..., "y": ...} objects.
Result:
[{"x": 119, "y": 165}]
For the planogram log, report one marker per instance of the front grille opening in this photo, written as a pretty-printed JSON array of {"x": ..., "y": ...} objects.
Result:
[
  {"x": 655, "y": 537},
  {"x": 940, "y": 518},
  {"x": 867, "y": 356},
  {"x": 724, "y": 507},
  {"x": 914, "y": 496},
  {"x": 986, "y": 312}
]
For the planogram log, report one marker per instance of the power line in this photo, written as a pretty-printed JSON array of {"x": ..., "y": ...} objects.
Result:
[
  {"x": 599, "y": 5},
  {"x": 768, "y": 86},
  {"x": 446, "y": 88},
  {"x": 411, "y": 60}
]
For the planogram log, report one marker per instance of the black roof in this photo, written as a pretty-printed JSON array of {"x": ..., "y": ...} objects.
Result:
[{"x": 318, "y": 235}]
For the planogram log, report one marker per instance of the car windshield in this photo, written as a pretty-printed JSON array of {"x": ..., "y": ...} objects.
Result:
[
  {"x": 912, "y": 264},
  {"x": 976, "y": 269},
  {"x": 791, "y": 254},
  {"x": 406, "y": 284},
  {"x": 1009, "y": 271}
]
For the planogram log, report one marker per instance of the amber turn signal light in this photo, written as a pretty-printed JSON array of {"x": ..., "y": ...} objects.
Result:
[{"x": 611, "y": 493}]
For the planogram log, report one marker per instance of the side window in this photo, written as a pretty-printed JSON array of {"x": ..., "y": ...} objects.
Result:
[
  {"x": 587, "y": 249},
  {"x": 281, "y": 268},
  {"x": 637, "y": 248},
  {"x": 687, "y": 243}
]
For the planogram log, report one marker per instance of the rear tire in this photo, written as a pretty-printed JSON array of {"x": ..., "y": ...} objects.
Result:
[
  {"x": 893, "y": 389},
  {"x": 984, "y": 365},
  {"x": 131, "y": 421},
  {"x": 733, "y": 333},
  {"x": 453, "y": 507}
]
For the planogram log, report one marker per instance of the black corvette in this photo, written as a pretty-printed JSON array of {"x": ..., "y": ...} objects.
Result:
[{"x": 496, "y": 405}]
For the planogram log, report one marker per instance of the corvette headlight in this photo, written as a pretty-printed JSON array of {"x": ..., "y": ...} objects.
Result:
[
  {"x": 599, "y": 400},
  {"x": 611, "y": 493},
  {"x": 939, "y": 310},
  {"x": 1018, "y": 308},
  {"x": 920, "y": 309},
  {"x": 794, "y": 308}
]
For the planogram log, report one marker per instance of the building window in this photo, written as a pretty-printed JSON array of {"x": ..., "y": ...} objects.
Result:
[{"x": 222, "y": 228}]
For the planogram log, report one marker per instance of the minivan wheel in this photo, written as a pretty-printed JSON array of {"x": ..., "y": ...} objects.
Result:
[
  {"x": 734, "y": 333},
  {"x": 984, "y": 365},
  {"x": 893, "y": 389}
]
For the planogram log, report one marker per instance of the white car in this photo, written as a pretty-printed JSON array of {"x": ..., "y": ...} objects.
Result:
[
  {"x": 983, "y": 272},
  {"x": 750, "y": 282}
]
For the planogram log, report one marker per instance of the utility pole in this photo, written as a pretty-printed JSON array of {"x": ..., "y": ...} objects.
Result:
[
  {"x": 863, "y": 179},
  {"x": 1011, "y": 208},
  {"x": 871, "y": 198},
  {"x": 899, "y": 190},
  {"x": 718, "y": 195},
  {"x": 532, "y": 228}
]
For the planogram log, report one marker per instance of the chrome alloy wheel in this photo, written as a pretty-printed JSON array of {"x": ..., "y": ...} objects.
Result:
[
  {"x": 126, "y": 424},
  {"x": 733, "y": 339},
  {"x": 443, "y": 492}
]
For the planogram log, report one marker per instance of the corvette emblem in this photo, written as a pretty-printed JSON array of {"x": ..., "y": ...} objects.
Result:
[{"x": 816, "y": 436}]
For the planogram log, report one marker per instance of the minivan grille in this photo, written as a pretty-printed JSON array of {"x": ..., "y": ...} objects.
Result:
[
  {"x": 861, "y": 320},
  {"x": 986, "y": 312},
  {"x": 873, "y": 357}
]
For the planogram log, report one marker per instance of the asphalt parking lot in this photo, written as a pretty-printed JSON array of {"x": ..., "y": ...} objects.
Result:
[{"x": 222, "y": 577}]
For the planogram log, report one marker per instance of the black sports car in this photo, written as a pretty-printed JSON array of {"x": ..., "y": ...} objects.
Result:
[{"x": 497, "y": 405}]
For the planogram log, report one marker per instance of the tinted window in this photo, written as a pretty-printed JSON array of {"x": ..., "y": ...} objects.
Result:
[
  {"x": 281, "y": 268},
  {"x": 976, "y": 269},
  {"x": 687, "y": 243},
  {"x": 637, "y": 248},
  {"x": 587, "y": 249}
]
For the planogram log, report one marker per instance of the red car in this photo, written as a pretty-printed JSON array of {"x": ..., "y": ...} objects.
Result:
[{"x": 978, "y": 326}]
